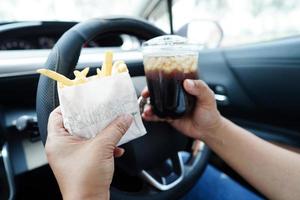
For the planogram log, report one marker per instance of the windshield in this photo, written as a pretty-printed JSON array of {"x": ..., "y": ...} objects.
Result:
[{"x": 67, "y": 10}]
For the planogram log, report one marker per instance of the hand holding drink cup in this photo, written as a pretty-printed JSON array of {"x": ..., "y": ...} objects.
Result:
[
  {"x": 176, "y": 94},
  {"x": 168, "y": 61}
]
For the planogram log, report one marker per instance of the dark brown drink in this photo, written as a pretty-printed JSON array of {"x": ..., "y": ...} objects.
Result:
[{"x": 165, "y": 75}]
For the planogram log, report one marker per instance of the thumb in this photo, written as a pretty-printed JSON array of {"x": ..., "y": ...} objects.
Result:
[
  {"x": 116, "y": 129},
  {"x": 199, "y": 89}
]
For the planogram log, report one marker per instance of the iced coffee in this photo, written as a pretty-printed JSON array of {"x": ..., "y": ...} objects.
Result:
[{"x": 166, "y": 66}]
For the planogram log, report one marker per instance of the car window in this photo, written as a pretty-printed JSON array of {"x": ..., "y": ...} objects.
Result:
[
  {"x": 247, "y": 21},
  {"x": 159, "y": 16},
  {"x": 70, "y": 10}
]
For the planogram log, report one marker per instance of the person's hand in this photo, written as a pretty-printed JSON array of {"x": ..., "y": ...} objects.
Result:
[
  {"x": 205, "y": 117},
  {"x": 84, "y": 168}
]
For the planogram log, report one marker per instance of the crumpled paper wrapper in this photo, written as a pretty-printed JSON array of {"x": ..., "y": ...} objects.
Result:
[{"x": 88, "y": 108}]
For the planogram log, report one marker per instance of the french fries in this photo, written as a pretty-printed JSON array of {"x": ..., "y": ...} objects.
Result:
[
  {"x": 80, "y": 77},
  {"x": 85, "y": 71},
  {"x": 56, "y": 76},
  {"x": 116, "y": 65},
  {"x": 108, "y": 68},
  {"x": 99, "y": 73},
  {"x": 107, "y": 64},
  {"x": 122, "y": 68}
]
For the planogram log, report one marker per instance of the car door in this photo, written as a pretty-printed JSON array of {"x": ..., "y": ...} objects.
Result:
[{"x": 259, "y": 83}]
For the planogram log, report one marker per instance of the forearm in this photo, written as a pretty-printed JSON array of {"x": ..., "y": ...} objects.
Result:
[
  {"x": 272, "y": 170},
  {"x": 77, "y": 195}
]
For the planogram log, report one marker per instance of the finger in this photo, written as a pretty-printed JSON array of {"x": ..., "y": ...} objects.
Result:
[
  {"x": 116, "y": 129},
  {"x": 55, "y": 121},
  {"x": 148, "y": 115},
  {"x": 148, "y": 110},
  {"x": 199, "y": 89},
  {"x": 151, "y": 118},
  {"x": 118, "y": 152},
  {"x": 196, "y": 147},
  {"x": 145, "y": 93}
]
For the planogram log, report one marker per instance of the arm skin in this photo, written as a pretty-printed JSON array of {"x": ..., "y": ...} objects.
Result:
[{"x": 272, "y": 170}]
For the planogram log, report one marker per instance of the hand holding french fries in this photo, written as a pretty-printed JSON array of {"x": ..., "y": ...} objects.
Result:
[
  {"x": 108, "y": 68},
  {"x": 107, "y": 94}
]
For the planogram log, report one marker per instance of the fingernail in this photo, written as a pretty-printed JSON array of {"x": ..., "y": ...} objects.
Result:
[
  {"x": 122, "y": 151},
  {"x": 126, "y": 118},
  {"x": 190, "y": 83}
]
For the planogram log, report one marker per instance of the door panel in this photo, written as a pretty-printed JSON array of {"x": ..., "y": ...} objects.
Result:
[
  {"x": 270, "y": 73},
  {"x": 213, "y": 69},
  {"x": 262, "y": 83}
]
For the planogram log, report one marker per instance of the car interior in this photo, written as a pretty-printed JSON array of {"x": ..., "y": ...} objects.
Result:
[{"x": 251, "y": 63}]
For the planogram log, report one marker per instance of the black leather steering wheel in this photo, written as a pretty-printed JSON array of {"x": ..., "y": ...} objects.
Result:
[{"x": 150, "y": 156}]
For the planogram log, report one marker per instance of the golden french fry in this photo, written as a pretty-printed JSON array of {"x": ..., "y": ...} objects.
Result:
[
  {"x": 85, "y": 71},
  {"x": 79, "y": 81},
  {"x": 108, "y": 68},
  {"x": 60, "y": 85},
  {"x": 56, "y": 76},
  {"x": 77, "y": 74},
  {"x": 117, "y": 63},
  {"x": 107, "y": 63},
  {"x": 116, "y": 66},
  {"x": 122, "y": 68},
  {"x": 82, "y": 74},
  {"x": 79, "y": 77},
  {"x": 99, "y": 73}
]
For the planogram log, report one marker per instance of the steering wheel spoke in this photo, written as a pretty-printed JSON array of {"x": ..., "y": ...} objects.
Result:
[{"x": 169, "y": 174}]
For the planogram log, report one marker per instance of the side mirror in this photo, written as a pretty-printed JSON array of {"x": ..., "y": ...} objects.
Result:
[{"x": 205, "y": 33}]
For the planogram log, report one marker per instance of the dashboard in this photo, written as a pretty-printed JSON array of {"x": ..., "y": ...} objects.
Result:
[{"x": 43, "y": 35}]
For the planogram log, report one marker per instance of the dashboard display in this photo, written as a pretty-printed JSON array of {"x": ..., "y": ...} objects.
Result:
[
  {"x": 21, "y": 44},
  {"x": 21, "y": 36},
  {"x": 16, "y": 44},
  {"x": 46, "y": 42},
  {"x": 44, "y": 36}
]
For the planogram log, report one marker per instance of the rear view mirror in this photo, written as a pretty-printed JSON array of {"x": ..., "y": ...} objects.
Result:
[{"x": 206, "y": 33}]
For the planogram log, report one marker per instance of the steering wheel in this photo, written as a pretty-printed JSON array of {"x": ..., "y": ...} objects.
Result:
[{"x": 156, "y": 159}]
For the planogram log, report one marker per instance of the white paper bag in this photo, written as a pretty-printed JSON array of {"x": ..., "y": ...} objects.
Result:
[{"x": 88, "y": 108}]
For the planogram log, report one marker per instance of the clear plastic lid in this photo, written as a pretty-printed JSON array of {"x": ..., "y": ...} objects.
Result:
[{"x": 167, "y": 45}]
